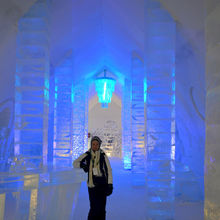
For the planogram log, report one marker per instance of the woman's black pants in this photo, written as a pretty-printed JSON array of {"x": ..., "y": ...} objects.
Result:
[{"x": 97, "y": 198}]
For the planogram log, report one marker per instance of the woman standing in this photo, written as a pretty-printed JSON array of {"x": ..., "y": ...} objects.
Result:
[{"x": 97, "y": 165}]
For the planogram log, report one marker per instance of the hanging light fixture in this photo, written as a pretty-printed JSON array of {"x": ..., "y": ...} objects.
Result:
[{"x": 105, "y": 86}]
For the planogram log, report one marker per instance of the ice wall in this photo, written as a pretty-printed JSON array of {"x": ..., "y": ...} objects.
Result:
[
  {"x": 62, "y": 108},
  {"x": 9, "y": 15},
  {"x": 190, "y": 104},
  {"x": 32, "y": 86},
  {"x": 6, "y": 133},
  {"x": 126, "y": 124},
  {"x": 160, "y": 115},
  {"x": 190, "y": 118},
  {"x": 80, "y": 119},
  {"x": 212, "y": 149},
  {"x": 137, "y": 121}
]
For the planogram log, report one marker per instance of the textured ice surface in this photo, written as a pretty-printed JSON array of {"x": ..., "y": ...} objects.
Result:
[{"x": 43, "y": 194}]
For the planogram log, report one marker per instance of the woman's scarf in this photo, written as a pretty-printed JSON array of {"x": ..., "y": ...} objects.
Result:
[{"x": 94, "y": 163}]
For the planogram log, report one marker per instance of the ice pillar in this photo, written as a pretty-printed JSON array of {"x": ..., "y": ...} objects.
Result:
[
  {"x": 32, "y": 86},
  {"x": 63, "y": 112},
  {"x": 6, "y": 133},
  {"x": 126, "y": 125},
  {"x": 160, "y": 63},
  {"x": 80, "y": 119},
  {"x": 138, "y": 122}
]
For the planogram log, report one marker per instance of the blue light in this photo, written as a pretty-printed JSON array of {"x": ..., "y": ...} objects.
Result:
[
  {"x": 173, "y": 72},
  {"x": 46, "y": 83},
  {"x": 104, "y": 105},
  {"x": 72, "y": 94},
  {"x": 17, "y": 81},
  {"x": 173, "y": 101},
  {"x": 127, "y": 161},
  {"x": 173, "y": 85},
  {"x": 104, "y": 92},
  {"x": 46, "y": 94},
  {"x": 105, "y": 86},
  {"x": 145, "y": 90}
]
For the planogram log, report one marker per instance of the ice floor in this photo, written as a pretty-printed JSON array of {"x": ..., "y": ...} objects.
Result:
[
  {"x": 129, "y": 203},
  {"x": 60, "y": 195},
  {"x": 126, "y": 202}
]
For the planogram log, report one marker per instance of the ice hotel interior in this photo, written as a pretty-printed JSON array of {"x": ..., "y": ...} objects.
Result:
[{"x": 143, "y": 75}]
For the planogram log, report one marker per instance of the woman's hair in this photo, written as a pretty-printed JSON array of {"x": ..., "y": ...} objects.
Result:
[{"x": 96, "y": 138}]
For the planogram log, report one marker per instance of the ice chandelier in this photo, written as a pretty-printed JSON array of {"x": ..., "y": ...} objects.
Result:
[{"x": 105, "y": 86}]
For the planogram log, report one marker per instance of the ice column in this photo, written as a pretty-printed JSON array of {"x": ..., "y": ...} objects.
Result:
[
  {"x": 86, "y": 113},
  {"x": 138, "y": 122},
  {"x": 63, "y": 110},
  {"x": 126, "y": 125},
  {"x": 80, "y": 119},
  {"x": 32, "y": 86},
  {"x": 6, "y": 133},
  {"x": 160, "y": 53}
]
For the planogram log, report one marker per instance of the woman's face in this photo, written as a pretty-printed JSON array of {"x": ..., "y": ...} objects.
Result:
[{"x": 95, "y": 145}]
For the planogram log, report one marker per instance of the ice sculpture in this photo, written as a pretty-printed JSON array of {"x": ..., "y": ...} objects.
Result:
[
  {"x": 160, "y": 64},
  {"x": 32, "y": 86}
]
